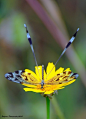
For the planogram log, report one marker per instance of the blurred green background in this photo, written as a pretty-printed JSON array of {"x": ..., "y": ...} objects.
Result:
[{"x": 51, "y": 23}]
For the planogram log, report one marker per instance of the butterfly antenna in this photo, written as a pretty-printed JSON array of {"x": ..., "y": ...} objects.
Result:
[
  {"x": 68, "y": 44},
  {"x": 31, "y": 45}
]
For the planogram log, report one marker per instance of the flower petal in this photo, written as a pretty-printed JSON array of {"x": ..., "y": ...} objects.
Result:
[
  {"x": 60, "y": 70},
  {"x": 49, "y": 71},
  {"x": 32, "y": 73},
  {"x": 33, "y": 89},
  {"x": 50, "y": 84}
]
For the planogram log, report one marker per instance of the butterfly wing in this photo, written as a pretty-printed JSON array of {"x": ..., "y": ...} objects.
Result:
[
  {"x": 62, "y": 78},
  {"x": 22, "y": 77}
]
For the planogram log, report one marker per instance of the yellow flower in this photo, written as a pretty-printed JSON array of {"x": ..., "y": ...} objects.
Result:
[{"x": 47, "y": 82}]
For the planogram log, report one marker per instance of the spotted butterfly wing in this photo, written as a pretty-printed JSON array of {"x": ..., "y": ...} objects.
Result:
[
  {"x": 22, "y": 77},
  {"x": 64, "y": 77}
]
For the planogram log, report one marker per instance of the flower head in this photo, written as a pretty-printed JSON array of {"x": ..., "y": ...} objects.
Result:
[{"x": 47, "y": 82}]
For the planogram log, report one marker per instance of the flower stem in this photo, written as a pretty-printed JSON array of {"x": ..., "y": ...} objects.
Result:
[{"x": 48, "y": 107}]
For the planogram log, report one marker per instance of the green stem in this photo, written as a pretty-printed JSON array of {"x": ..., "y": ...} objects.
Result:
[{"x": 48, "y": 107}]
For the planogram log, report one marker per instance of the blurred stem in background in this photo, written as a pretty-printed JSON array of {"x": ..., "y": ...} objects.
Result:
[{"x": 57, "y": 108}]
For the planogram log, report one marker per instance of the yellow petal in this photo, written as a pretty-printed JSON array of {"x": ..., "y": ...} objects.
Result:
[
  {"x": 34, "y": 90},
  {"x": 34, "y": 75},
  {"x": 60, "y": 70},
  {"x": 49, "y": 71},
  {"x": 38, "y": 71},
  {"x": 29, "y": 85},
  {"x": 68, "y": 69}
]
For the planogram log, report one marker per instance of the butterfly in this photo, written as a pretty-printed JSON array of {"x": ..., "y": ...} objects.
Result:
[
  {"x": 26, "y": 77},
  {"x": 44, "y": 80}
]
